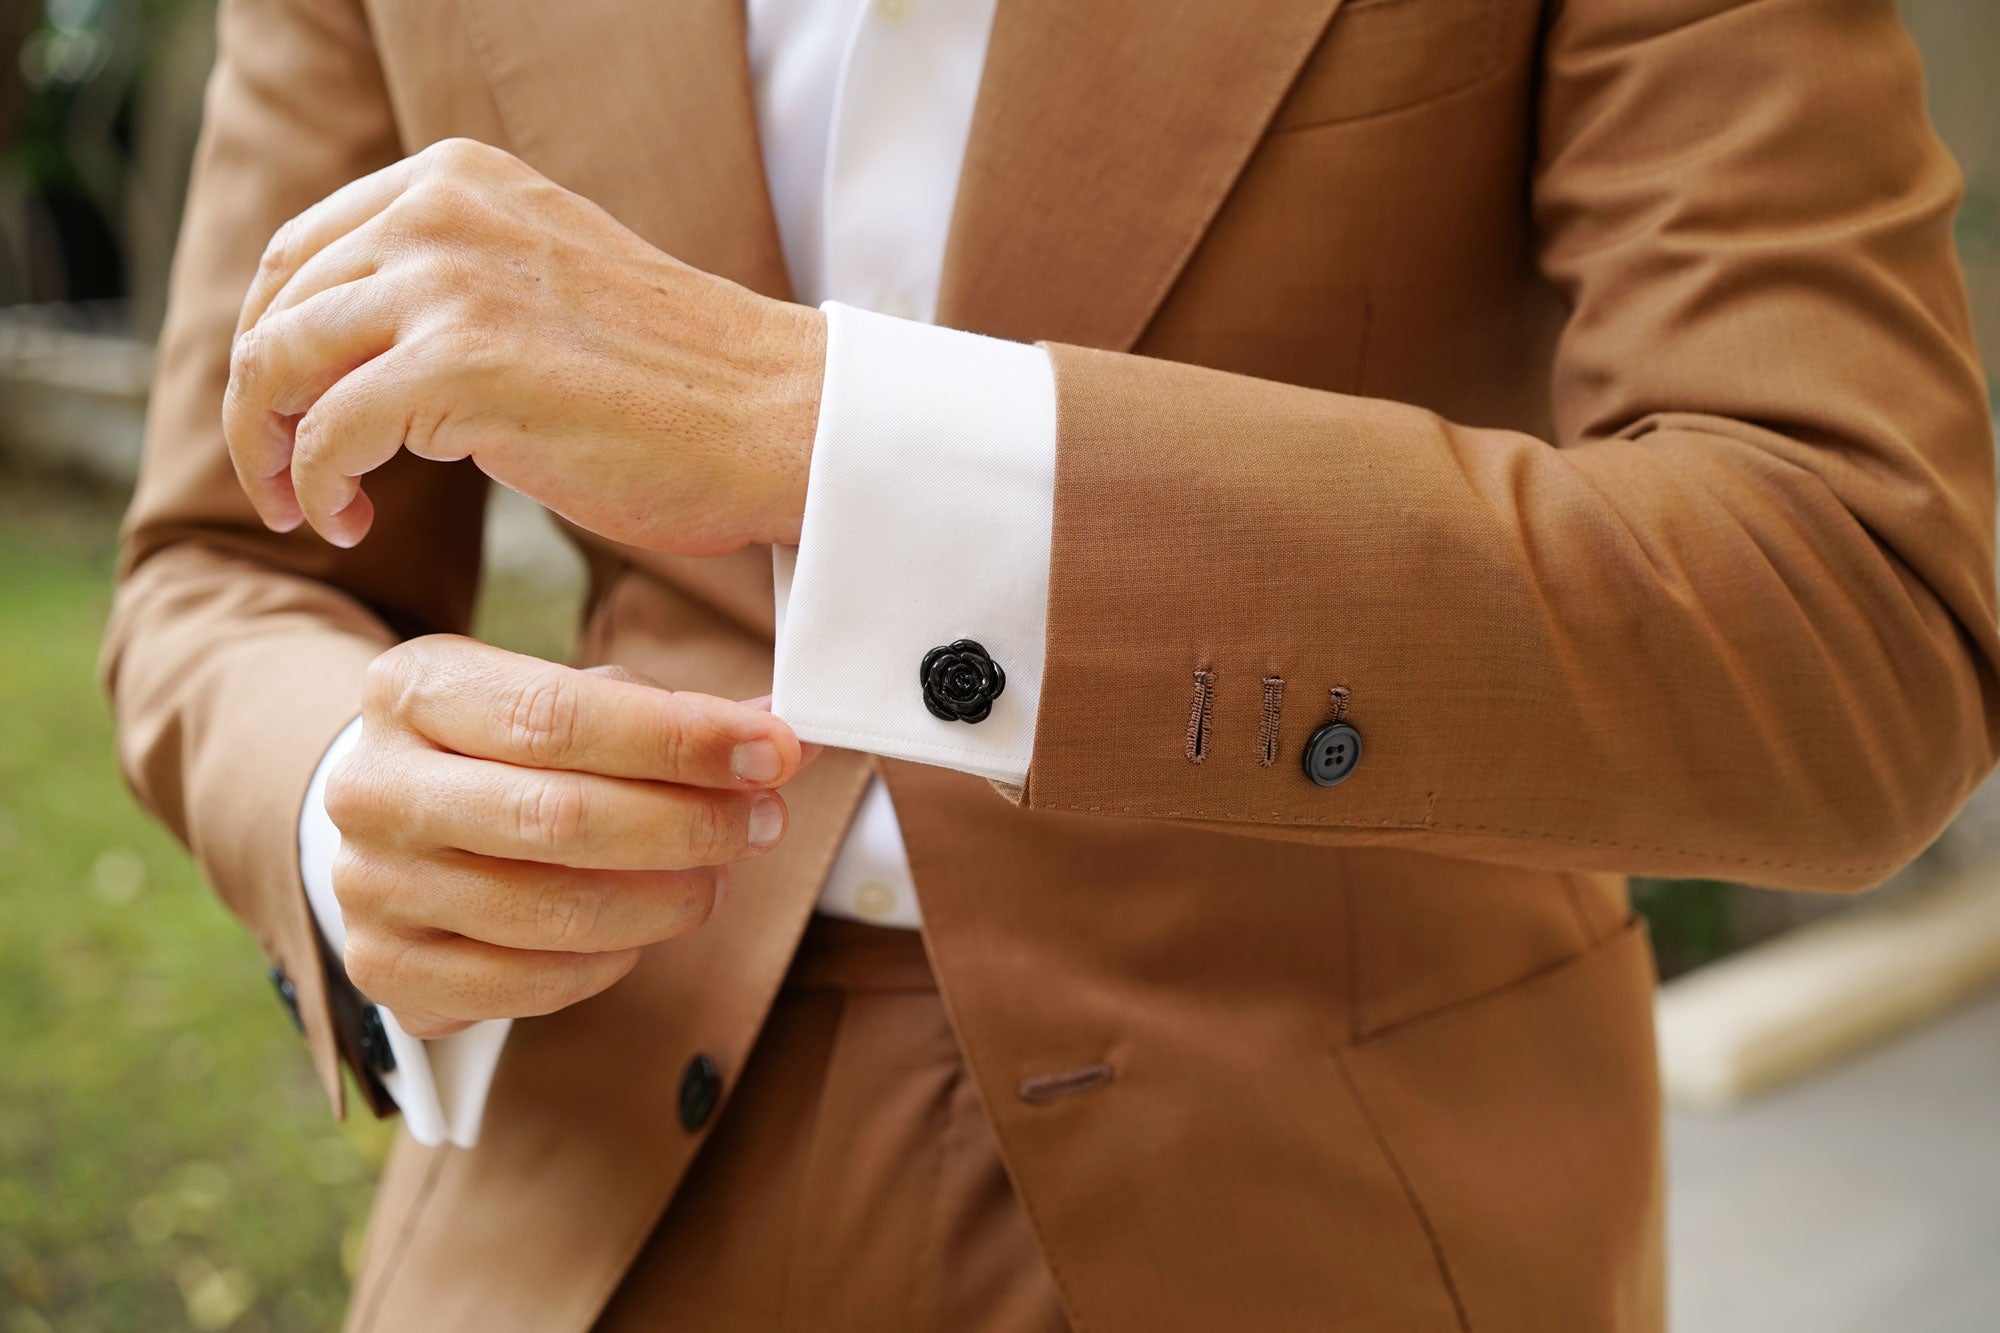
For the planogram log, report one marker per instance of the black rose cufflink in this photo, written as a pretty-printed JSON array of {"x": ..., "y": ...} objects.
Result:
[{"x": 961, "y": 681}]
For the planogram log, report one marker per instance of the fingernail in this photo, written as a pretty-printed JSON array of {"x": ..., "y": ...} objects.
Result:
[
  {"x": 757, "y": 761},
  {"x": 721, "y": 887},
  {"x": 767, "y": 821}
]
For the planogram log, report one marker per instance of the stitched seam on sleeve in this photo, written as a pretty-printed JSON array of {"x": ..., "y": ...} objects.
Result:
[{"x": 1489, "y": 830}]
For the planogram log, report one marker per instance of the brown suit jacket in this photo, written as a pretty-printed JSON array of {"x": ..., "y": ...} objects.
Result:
[{"x": 1585, "y": 387}]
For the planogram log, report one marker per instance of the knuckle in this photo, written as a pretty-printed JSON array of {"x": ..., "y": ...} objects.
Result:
[
  {"x": 421, "y": 432},
  {"x": 353, "y": 794},
  {"x": 278, "y": 251},
  {"x": 544, "y": 717},
  {"x": 554, "y": 986},
  {"x": 457, "y": 153},
  {"x": 391, "y": 684},
  {"x": 310, "y": 439},
  {"x": 483, "y": 346},
  {"x": 550, "y": 813},
  {"x": 355, "y": 884},
  {"x": 567, "y": 917},
  {"x": 248, "y": 357},
  {"x": 376, "y": 963},
  {"x": 673, "y": 746},
  {"x": 711, "y": 832},
  {"x": 437, "y": 200},
  {"x": 357, "y": 958},
  {"x": 384, "y": 675}
]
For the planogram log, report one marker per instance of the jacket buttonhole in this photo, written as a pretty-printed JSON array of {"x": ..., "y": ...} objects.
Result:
[
  {"x": 1052, "y": 1087},
  {"x": 1195, "y": 746}
]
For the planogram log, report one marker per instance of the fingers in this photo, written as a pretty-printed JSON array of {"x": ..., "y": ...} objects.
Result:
[
  {"x": 477, "y": 888},
  {"x": 280, "y": 369},
  {"x": 350, "y": 258},
  {"x": 427, "y": 1026},
  {"x": 808, "y": 750},
  {"x": 305, "y": 236},
  {"x": 477, "y": 700},
  {"x": 519, "y": 905},
  {"x": 440, "y": 980},
  {"x": 551, "y": 817},
  {"x": 356, "y": 426}
]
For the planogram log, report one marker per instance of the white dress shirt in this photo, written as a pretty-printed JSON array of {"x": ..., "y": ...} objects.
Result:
[{"x": 930, "y": 442}]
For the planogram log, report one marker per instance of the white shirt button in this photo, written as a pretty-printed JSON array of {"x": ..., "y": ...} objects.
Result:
[
  {"x": 891, "y": 11},
  {"x": 874, "y": 900}
]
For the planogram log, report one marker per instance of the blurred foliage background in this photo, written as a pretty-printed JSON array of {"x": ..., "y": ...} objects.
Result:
[
  {"x": 149, "y": 1087},
  {"x": 166, "y": 1159}
]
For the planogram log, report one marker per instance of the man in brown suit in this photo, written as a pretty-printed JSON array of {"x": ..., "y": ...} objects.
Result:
[{"x": 1499, "y": 446}]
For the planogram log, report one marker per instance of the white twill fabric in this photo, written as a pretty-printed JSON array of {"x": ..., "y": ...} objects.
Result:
[{"x": 898, "y": 557}]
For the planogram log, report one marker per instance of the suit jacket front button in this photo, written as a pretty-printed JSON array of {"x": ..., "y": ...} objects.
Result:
[
  {"x": 288, "y": 995},
  {"x": 1332, "y": 753},
  {"x": 701, "y": 1088},
  {"x": 373, "y": 1039}
]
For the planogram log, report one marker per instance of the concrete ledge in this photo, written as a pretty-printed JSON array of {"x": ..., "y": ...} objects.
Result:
[
  {"x": 72, "y": 394},
  {"x": 1784, "y": 1009}
]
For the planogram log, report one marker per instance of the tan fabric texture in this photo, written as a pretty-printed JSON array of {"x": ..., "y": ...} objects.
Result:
[
  {"x": 1585, "y": 387},
  {"x": 858, "y": 1188}
]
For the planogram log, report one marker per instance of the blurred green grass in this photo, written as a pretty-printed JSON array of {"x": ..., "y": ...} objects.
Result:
[{"x": 166, "y": 1158}]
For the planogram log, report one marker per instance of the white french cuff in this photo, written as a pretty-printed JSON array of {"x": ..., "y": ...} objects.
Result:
[
  {"x": 927, "y": 520},
  {"x": 440, "y": 1085}
]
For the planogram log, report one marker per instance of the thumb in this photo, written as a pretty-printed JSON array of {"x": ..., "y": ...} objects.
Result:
[{"x": 808, "y": 751}]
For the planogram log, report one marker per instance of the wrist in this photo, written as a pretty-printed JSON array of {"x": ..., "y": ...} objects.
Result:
[{"x": 797, "y": 378}]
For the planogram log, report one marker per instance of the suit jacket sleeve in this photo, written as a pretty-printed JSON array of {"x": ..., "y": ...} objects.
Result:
[
  {"x": 1735, "y": 619},
  {"x": 234, "y": 656}
]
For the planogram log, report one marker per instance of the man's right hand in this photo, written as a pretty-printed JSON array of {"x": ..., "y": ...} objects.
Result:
[{"x": 513, "y": 832}]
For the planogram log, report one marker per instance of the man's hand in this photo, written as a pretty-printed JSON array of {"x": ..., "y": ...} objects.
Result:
[
  {"x": 514, "y": 832},
  {"x": 459, "y": 304}
]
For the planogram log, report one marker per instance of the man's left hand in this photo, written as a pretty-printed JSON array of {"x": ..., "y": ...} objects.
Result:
[{"x": 461, "y": 305}]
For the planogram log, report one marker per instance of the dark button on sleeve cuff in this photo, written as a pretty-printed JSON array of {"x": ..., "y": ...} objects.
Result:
[{"x": 1332, "y": 753}]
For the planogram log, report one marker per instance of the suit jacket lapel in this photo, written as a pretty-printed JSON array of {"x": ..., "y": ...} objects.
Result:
[
  {"x": 1106, "y": 136},
  {"x": 646, "y": 108}
]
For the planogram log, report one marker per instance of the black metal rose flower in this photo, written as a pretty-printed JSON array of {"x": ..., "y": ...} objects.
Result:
[{"x": 961, "y": 681}]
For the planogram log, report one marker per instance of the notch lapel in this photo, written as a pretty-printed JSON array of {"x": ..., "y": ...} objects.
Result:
[
  {"x": 646, "y": 109},
  {"x": 1106, "y": 136}
]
